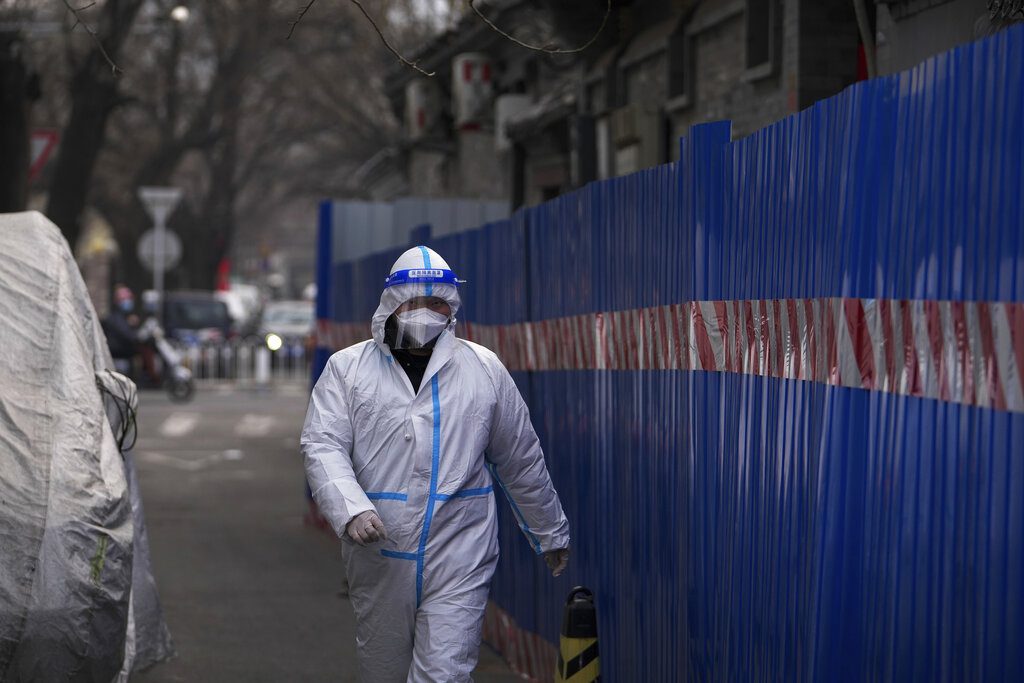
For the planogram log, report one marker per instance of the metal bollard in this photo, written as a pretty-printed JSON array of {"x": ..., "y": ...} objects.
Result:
[
  {"x": 295, "y": 361},
  {"x": 226, "y": 356},
  {"x": 578, "y": 659},
  {"x": 244, "y": 359},
  {"x": 262, "y": 365},
  {"x": 193, "y": 359},
  {"x": 209, "y": 362}
]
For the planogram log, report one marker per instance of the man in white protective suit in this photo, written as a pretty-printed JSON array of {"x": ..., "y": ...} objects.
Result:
[{"x": 406, "y": 439}]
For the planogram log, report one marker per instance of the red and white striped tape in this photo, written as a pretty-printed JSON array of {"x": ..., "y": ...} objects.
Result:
[
  {"x": 964, "y": 352},
  {"x": 335, "y": 336},
  {"x": 529, "y": 655}
]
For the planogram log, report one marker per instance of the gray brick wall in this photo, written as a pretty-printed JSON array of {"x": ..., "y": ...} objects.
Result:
[
  {"x": 647, "y": 81},
  {"x": 482, "y": 171},
  {"x": 428, "y": 174},
  {"x": 910, "y": 32},
  {"x": 722, "y": 88},
  {"x": 816, "y": 57}
]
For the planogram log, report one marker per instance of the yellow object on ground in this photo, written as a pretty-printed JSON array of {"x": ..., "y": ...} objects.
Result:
[{"x": 578, "y": 657}]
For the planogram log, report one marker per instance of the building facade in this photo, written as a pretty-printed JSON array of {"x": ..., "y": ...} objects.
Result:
[{"x": 500, "y": 121}]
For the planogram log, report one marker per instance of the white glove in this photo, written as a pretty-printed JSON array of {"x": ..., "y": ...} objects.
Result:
[
  {"x": 365, "y": 528},
  {"x": 557, "y": 560}
]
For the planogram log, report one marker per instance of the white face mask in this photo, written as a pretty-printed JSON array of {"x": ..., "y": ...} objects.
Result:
[{"x": 418, "y": 327}]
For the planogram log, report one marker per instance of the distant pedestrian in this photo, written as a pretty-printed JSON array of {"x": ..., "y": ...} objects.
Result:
[
  {"x": 406, "y": 437},
  {"x": 121, "y": 329}
]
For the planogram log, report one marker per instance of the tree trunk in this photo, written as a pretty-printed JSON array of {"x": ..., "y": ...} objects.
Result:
[
  {"x": 94, "y": 94},
  {"x": 14, "y": 125},
  {"x": 80, "y": 146}
]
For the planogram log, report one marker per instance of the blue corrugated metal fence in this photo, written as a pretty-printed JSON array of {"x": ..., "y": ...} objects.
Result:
[{"x": 778, "y": 384}]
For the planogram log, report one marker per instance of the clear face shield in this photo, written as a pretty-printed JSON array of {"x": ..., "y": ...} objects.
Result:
[{"x": 417, "y": 323}]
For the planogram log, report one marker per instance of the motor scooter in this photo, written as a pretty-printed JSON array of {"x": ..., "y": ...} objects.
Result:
[{"x": 177, "y": 378}]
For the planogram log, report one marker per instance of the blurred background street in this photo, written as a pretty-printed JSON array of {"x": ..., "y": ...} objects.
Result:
[{"x": 250, "y": 594}]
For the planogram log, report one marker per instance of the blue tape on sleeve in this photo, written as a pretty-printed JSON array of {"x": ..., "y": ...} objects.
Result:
[{"x": 386, "y": 495}]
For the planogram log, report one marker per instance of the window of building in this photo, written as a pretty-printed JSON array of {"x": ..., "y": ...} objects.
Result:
[
  {"x": 680, "y": 67},
  {"x": 627, "y": 159},
  {"x": 549, "y": 192},
  {"x": 760, "y": 20},
  {"x": 646, "y": 81},
  {"x": 644, "y": 64}
]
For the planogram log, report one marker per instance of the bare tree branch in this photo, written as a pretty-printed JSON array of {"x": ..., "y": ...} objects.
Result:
[
  {"x": 376, "y": 28},
  {"x": 413, "y": 65},
  {"x": 302, "y": 13},
  {"x": 114, "y": 68},
  {"x": 548, "y": 50},
  {"x": 384, "y": 40}
]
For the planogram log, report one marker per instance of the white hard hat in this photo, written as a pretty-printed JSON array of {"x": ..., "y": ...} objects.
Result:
[{"x": 421, "y": 265}]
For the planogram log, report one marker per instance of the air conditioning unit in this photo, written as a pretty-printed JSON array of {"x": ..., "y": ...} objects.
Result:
[
  {"x": 506, "y": 108},
  {"x": 422, "y": 106},
  {"x": 636, "y": 133},
  {"x": 472, "y": 88}
]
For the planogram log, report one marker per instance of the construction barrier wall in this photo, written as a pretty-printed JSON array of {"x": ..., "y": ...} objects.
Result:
[{"x": 779, "y": 387}]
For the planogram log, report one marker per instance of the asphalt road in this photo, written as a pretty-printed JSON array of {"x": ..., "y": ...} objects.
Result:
[{"x": 249, "y": 592}]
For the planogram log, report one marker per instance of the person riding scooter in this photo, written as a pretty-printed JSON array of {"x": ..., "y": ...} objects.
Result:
[
  {"x": 175, "y": 376},
  {"x": 121, "y": 329}
]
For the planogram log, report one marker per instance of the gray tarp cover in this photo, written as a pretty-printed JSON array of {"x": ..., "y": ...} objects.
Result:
[{"x": 73, "y": 603}]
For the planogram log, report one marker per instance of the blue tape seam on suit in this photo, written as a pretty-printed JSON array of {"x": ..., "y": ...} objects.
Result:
[
  {"x": 426, "y": 264},
  {"x": 434, "y": 465},
  {"x": 387, "y": 495},
  {"x": 465, "y": 493},
  {"x": 397, "y": 555},
  {"x": 515, "y": 508}
]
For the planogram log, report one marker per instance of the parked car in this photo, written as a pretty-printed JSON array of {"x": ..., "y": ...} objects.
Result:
[
  {"x": 244, "y": 304},
  {"x": 196, "y": 317},
  {"x": 287, "y": 322}
]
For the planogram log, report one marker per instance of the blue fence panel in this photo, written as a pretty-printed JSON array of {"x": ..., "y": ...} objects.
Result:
[{"x": 778, "y": 384}]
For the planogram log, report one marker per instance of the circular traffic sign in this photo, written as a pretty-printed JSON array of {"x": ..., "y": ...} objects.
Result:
[{"x": 147, "y": 249}]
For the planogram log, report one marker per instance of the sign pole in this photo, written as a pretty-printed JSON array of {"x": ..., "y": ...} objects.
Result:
[
  {"x": 160, "y": 228},
  {"x": 159, "y": 202}
]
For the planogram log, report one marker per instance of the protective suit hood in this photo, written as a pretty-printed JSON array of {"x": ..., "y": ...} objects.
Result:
[{"x": 420, "y": 271}]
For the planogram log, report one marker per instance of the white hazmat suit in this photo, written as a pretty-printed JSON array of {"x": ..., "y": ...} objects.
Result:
[{"x": 428, "y": 463}]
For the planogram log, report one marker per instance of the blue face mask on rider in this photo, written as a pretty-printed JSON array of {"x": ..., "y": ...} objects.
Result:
[{"x": 126, "y": 305}]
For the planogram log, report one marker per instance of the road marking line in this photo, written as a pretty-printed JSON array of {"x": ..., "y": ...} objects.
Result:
[
  {"x": 179, "y": 424},
  {"x": 253, "y": 425},
  {"x": 188, "y": 465}
]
